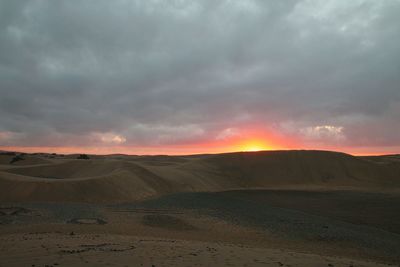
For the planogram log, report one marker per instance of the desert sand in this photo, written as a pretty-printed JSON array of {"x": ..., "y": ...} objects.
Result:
[{"x": 270, "y": 208}]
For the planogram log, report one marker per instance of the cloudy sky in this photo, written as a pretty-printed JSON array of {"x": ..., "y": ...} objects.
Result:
[{"x": 185, "y": 76}]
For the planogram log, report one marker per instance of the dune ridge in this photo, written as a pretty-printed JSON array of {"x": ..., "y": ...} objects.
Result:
[{"x": 111, "y": 179}]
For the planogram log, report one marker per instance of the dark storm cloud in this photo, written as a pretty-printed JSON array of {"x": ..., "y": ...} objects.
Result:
[{"x": 166, "y": 72}]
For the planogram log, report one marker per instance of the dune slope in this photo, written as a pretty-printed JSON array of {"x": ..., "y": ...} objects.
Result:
[{"x": 133, "y": 178}]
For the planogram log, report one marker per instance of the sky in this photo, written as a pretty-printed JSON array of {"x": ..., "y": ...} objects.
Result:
[{"x": 183, "y": 77}]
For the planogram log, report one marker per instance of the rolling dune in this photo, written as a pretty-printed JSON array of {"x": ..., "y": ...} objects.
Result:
[
  {"x": 272, "y": 168},
  {"x": 111, "y": 180},
  {"x": 5, "y": 159},
  {"x": 81, "y": 181}
]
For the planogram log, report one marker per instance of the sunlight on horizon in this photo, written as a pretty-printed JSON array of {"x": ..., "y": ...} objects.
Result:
[{"x": 254, "y": 145}]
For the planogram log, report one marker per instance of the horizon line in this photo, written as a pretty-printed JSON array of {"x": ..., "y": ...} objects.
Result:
[{"x": 205, "y": 153}]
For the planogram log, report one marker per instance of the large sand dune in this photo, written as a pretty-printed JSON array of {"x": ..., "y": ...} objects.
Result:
[{"x": 129, "y": 178}]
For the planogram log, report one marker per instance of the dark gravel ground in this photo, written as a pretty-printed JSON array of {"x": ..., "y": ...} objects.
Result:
[
  {"x": 326, "y": 223},
  {"x": 367, "y": 222}
]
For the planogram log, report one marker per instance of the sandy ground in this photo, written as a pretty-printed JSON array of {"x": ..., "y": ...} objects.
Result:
[
  {"x": 237, "y": 228},
  {"x": 52, "y": 249}
]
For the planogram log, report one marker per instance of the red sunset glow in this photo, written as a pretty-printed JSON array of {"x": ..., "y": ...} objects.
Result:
[{"x": 247, "y": 140}]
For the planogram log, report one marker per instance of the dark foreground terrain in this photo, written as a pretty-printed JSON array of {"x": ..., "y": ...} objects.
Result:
[{"x": 233, "y": 228}]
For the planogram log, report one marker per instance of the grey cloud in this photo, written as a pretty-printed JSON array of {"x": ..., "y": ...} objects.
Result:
[{"x": 140, "y": 69}]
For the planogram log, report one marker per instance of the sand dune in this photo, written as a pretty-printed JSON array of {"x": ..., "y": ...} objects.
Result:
[
  {"x": 6, "y": 159},
  {"x": 272, "y": 208},
  {"x": 81, "y": 181},
  {"x": 124, "y": 178},
  {"x": 305, "y": 168}
]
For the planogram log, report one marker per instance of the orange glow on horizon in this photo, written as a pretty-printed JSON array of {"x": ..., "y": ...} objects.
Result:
[
  {"x": 249, "y": 139},
  {"x": 254, "y": 145},
  {"x": 214, "y": 147},
  {"x": 244, "y": 146}
]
